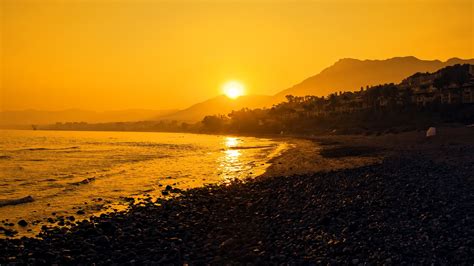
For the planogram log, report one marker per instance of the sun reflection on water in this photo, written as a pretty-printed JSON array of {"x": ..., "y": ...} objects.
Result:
[
  {"x": 230, "y": 162},
  {"x": 231, "y": 142}
]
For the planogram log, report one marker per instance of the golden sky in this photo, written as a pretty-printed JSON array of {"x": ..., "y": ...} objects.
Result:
[{"x": 120, "y": 54}]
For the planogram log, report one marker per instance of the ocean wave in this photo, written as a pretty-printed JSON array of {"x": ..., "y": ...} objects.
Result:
[
  {"x": 83, "y": 182},
  {"x": 138, "y": 143},
  {"x": 249, "y": 147},
  {"x": 49, "y": 149},
  {"x": 7, "y": 202},
  {"x": 54, "y": 185},
  {"x": 75, "y": 185},
  {"x": 156, "y": 145}
]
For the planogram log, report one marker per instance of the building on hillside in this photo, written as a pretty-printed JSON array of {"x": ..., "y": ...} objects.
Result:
[
  {"x": 451, "y": 95},
  {"x": 426, "y": 94},
  {"x": 468, "y": 92},
  {"x": 468, "y": 87},
  {"x": 419, "y": 80}
]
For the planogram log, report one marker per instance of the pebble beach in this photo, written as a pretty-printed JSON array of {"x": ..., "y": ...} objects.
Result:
[{"x": 379, "y": 205}]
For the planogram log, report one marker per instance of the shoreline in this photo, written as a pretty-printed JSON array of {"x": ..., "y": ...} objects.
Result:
[
  {"x": 166, "y": 187},
  {"x": 403, "y": 199}
]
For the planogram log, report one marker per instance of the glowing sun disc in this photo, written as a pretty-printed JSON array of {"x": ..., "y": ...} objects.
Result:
[{"x": 233, "y": 89}]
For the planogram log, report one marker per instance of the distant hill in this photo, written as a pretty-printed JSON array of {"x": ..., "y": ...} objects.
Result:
[
  {"x": 217, "y": 106},
  {"x": 352, "y": 74},
  {"x": 29, "y": 117},
  {"x": 345, "y": 75}
]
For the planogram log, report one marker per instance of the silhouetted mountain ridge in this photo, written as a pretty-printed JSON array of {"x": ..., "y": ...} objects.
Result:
[
  {"x": 31, "y": 116},
  {"x": 347, "y": 74},
  {"x": 220, "y": 105},
  {"x": 350, "y": 74}
]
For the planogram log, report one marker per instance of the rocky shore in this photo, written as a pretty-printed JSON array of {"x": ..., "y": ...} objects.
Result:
[{"x": 405, "y": 209}]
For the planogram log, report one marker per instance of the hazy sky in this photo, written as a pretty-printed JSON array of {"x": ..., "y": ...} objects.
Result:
[{"x": 120, "y": 54}]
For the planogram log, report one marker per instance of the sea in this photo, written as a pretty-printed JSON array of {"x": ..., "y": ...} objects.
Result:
[{"x": 68, "y": 171}]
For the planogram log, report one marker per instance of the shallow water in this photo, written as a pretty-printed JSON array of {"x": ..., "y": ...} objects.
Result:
[{"x": 67, "y": 170}]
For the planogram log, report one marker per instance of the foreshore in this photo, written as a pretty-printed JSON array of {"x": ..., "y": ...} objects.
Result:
[{"x": 391, "y": 199}]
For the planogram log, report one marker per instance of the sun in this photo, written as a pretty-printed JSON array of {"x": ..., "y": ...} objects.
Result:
[{"x": 233, "y": 89}]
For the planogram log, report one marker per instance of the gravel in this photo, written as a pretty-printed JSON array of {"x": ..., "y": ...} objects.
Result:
[{"x": 406, "y": 209}]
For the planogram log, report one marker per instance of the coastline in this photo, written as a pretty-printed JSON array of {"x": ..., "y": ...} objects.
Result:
[
  {"x": 381, "y": 199},
  {"x": 245, "y": 157},
  {"x": 304, "y": 157},
  {"x": 451, "y": 145}
]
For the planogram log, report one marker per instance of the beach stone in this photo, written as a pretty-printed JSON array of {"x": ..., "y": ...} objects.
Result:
[
  {"x": 22, "y": 223},
  {"x": 176, "y": 190},
  {"x": 108, "y": 227},
  {"x": 103, "y": 241},
  {"x": 407, "y": 209}
]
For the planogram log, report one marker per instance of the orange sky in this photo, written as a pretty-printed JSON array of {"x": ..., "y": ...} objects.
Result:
[{"x": 119, "y": 54}]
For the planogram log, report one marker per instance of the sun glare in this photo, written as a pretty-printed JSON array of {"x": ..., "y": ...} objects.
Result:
[{"x": 233, "y": 89}]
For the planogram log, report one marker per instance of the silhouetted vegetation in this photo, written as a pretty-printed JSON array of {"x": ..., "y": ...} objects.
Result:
[
  {"x": 420, "y": 101},
  {"x": 142, "y": 126}
]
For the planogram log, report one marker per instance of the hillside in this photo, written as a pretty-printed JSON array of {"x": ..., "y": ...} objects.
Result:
[
  {"x": 352, "y": 74},
  {"x": 345, "y": 75},
  {"x": 29, "y": 117},
  {"x": 220, "y": 105}
]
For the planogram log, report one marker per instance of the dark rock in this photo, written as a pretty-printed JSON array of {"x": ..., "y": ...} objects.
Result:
[
  {"x": 22, "y": 223},
  {"x": 176, "y": 190},
  {"x": 106, "y": 226},
  {"x": 406, "y": 210},
  {"x": 103, "y": 241}
]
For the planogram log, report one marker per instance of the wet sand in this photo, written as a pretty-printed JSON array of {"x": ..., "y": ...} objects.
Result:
[
  {"x": 388, "y": 199},
  {"x": 452, "y": 145}
]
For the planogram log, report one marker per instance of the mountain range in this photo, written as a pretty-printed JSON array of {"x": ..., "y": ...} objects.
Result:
[
  {"x": 345, "y": 75},
  {"x": 351, "y": 74},
  {"x": 14, "y": 119},
  {"x": 219, "y": 105}
]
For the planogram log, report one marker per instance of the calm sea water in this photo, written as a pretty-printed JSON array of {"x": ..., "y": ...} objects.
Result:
[{"x": 65, "y": 170}]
